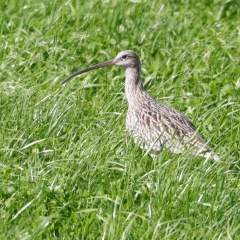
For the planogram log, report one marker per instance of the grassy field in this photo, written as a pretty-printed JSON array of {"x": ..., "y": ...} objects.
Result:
[{"x": 69, "y": 170}]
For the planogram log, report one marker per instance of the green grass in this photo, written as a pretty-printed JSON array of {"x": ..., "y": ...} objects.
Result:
[{"x": 68, "y": 168}]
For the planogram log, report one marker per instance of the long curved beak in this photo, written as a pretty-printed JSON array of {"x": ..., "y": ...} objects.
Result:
[{"x": 100, "y": 65}]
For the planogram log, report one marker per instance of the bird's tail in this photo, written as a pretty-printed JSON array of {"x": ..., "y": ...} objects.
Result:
[{"x": 211, "y": 155}]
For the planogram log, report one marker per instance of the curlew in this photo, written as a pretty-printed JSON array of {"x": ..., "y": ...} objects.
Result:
[{"x": 152, "y": 124}]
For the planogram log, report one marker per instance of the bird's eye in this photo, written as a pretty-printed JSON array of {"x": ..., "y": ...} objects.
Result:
[{"x": 124, "y": 57}]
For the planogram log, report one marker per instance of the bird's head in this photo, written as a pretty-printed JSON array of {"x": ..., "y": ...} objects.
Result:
[{"x": 126, "y": 59}]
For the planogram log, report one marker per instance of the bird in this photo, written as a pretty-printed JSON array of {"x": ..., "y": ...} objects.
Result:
[{"x": 152, "y": 124}]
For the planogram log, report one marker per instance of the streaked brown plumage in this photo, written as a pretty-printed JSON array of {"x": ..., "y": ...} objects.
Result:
[{"x": 152, "y": 124}]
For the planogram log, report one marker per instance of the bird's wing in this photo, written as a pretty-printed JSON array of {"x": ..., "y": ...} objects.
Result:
[{"x": 165, "y": 124}]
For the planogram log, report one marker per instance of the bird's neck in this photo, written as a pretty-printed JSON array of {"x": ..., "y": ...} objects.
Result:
[{"x": 133, "y": 84}]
